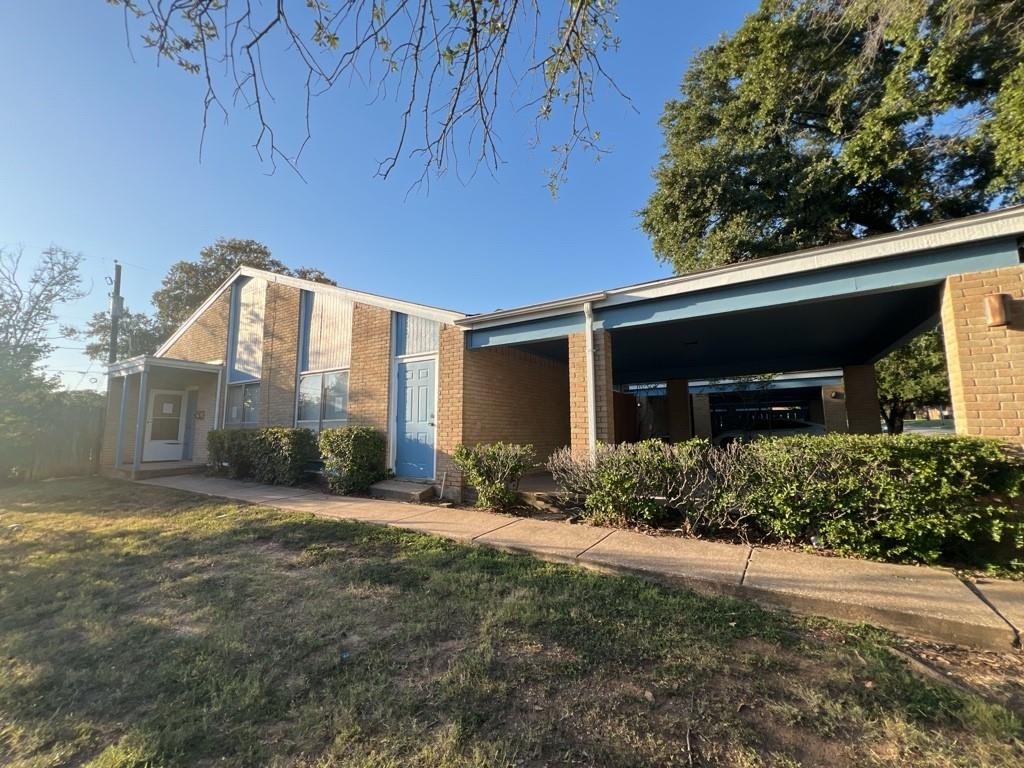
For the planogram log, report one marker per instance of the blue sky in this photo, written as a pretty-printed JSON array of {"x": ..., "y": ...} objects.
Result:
[{"x": 101, "y": 156}]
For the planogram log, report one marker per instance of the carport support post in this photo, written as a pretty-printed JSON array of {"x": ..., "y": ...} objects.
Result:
[
  {"x": 863, "y": 416},
  {"x": 140, "y": 422},
  {"x": 679, "y": 428}
]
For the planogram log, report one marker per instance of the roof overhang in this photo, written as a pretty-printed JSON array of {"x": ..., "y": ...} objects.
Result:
[
  {"x": 147, "y": 362},
  {"x": 942, "y": 236}
]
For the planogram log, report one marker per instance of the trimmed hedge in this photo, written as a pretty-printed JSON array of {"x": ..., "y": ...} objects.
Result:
[
  {"x": 494, "y": 470},
  {"x": 275, "y": 455},
  {"x": 281, "y": 455},
  {"x": 909, "y": 498},
  {"x": 230, "y": 452},
  {"x": 354, "y": 458}
]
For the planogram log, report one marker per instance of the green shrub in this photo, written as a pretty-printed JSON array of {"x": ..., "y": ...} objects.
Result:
[
  {"x": 353, "y": 458},
  {"x": 494, "y": 470},
  {"x": 903, "y": 498},
  {"x": 281, "y": 455},
  {"x": 637, "y": 483},
  {"x": 230, "y": 452}
]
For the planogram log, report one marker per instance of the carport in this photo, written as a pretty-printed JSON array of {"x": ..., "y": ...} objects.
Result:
[{"x": 837, "y": 307}]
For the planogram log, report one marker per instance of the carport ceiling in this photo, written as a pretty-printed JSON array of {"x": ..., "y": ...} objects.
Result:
[{"x": 794, "y": 337}]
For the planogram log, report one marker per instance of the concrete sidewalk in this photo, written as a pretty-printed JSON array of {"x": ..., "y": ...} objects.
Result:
[{"x": 931, "y": 603}]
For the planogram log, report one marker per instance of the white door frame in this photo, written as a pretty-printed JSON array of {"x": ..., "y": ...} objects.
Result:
[
  {"x": 147, "y": 441},
  {"x": 396, "y": 362}
]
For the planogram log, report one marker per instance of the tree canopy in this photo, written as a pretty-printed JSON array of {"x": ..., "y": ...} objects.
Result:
[
  {"x": 823, "y": 120},
  {"x": 912, "y": 376},
  {"x": 448, "y": 64}
]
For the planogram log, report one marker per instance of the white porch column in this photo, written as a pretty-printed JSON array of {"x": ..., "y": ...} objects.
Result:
[
  {"x": 121, "y": 413},
  {"x": 140, "y": 423}
]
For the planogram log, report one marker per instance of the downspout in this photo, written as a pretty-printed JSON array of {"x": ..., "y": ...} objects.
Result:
[{"x": 588, "y": 315}]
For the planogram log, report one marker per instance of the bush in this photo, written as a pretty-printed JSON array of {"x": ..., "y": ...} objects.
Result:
[
  {"x": 494, "y": 470},
  {"x": 230, "y": 452},
  {"x": 353, "y": 458},
  {"x": 906, "y": 498},
  {"x": 903, "y": 498},
  {"x": 281, "y": 455},
  {"x": 638, "y": 483}
]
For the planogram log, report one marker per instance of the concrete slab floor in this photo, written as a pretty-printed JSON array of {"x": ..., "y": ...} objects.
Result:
[
  {"x": 460, "y": 524},
  {"x": 547, "y": 540},
  {"x": 930, "y": 602},
  {"x": 677, "y": 558}
]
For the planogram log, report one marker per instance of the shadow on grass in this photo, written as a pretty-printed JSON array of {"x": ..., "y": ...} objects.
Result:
[{"x": 139, "y": 625}]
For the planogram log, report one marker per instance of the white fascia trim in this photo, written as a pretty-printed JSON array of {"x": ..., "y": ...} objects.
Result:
[
  {"x": 422, "y": 310},
  {"x": 1005, "y": 222},
  {"x": 139, "y": 363},
  {"x": 396, "y": 305}
]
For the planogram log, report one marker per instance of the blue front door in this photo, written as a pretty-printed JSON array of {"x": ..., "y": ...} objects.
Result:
[{"x": 414, "y": 449}]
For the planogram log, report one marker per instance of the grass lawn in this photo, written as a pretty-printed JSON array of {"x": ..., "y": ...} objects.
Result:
[{"x": 140, "y": 626}]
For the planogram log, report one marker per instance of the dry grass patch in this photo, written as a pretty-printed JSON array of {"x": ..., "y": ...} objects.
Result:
[{"x": 146, "y": 627}]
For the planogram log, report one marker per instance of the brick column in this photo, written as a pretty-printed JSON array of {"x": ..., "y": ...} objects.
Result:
[
  {"x": 603, "y": 395},
  {"x": 863, "y": 416},
  {"x": 986, "y": 363},
  {"x": 679, "y": 427},
  {"x": 280, "y": 356},
  {"x": 370, "y": 367},
  {"x": 702, "y": 416},
  {"x": 833, "y": 408},
  {"x": 450, "y": 403}
]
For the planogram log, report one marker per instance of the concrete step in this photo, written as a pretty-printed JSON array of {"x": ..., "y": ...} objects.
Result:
[{"x": 402, "y": 490}]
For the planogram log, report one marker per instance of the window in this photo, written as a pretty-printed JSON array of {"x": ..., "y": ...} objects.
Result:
[
  {"x": 323, "y": 400},
  {"x": 243, "y": 405}
]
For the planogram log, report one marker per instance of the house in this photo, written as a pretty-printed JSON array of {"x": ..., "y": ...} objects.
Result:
[{"x": 266, "y": 349}]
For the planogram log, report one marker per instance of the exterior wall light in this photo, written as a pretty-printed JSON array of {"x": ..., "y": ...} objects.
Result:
[{"x": 996, "y": 309}]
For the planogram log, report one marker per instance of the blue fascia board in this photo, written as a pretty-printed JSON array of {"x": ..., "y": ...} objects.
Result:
[
  {"x": 523, "y": 333},
  {"x": 870, "y": 277}
]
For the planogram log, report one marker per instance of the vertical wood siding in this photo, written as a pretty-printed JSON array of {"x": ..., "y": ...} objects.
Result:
[
  {"x": 328, "y": 332},
  {"x": 415, "y": 335},
  {"x": 248, "y": 352}
]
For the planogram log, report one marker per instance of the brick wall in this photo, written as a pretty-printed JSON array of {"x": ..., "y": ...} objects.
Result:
[
  {"x": 603, "y": 395},
  {"x": 370, "y": 369},
  {"x": 862, "y": 414},
  {"x": 515, "y": 396},
  {"x": 450, "y": 398},
  {"x": 280, "y": 356},
  {"x": 206, "y": 340},
  {"x": 986, "y": 365},
  {"x": 833, "y": 408}
]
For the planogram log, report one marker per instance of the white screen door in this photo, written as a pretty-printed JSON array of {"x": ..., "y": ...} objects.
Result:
[{"x": 165, "y": 427}]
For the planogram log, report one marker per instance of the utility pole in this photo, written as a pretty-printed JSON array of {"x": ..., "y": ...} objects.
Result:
[{"x": 116, "y": 308}]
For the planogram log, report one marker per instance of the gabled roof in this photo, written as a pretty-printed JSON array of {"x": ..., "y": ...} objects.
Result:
[{"x": 373, "y": 299}]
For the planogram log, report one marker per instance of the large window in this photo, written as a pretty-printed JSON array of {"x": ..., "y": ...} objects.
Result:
[
  {"x": 243, "y": 405},
  {"x": 323, "y": 400}
]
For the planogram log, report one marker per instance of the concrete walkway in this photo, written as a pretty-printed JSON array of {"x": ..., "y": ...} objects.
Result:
[{"x": 931, "y": 603}]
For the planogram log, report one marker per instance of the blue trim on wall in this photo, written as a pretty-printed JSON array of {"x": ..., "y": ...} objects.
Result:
[
  {"x": 915, "y": 270},
  {"x": 191, "y": 396},
  {"x": 869, "y": 277},
  {"x": 532, "y": 330}
]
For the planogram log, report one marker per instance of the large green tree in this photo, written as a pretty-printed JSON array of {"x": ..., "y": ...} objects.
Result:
[
  {"x": 912, "y": 376},
  {"x": 822, "y": 120}
]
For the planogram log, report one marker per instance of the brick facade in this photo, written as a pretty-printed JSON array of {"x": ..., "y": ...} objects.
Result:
[
  {"x": 280, "y": 356},
  {"x": 370, "y": 368},
  {"x": 450, "y": 398},
  {"x": 833, "y": 408},
  {"x": 603, "y": 394},
  {"x": 206, "y": 340},
  {"x": 986, "y": 364},
  {"x": 862, "y": 414}
]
